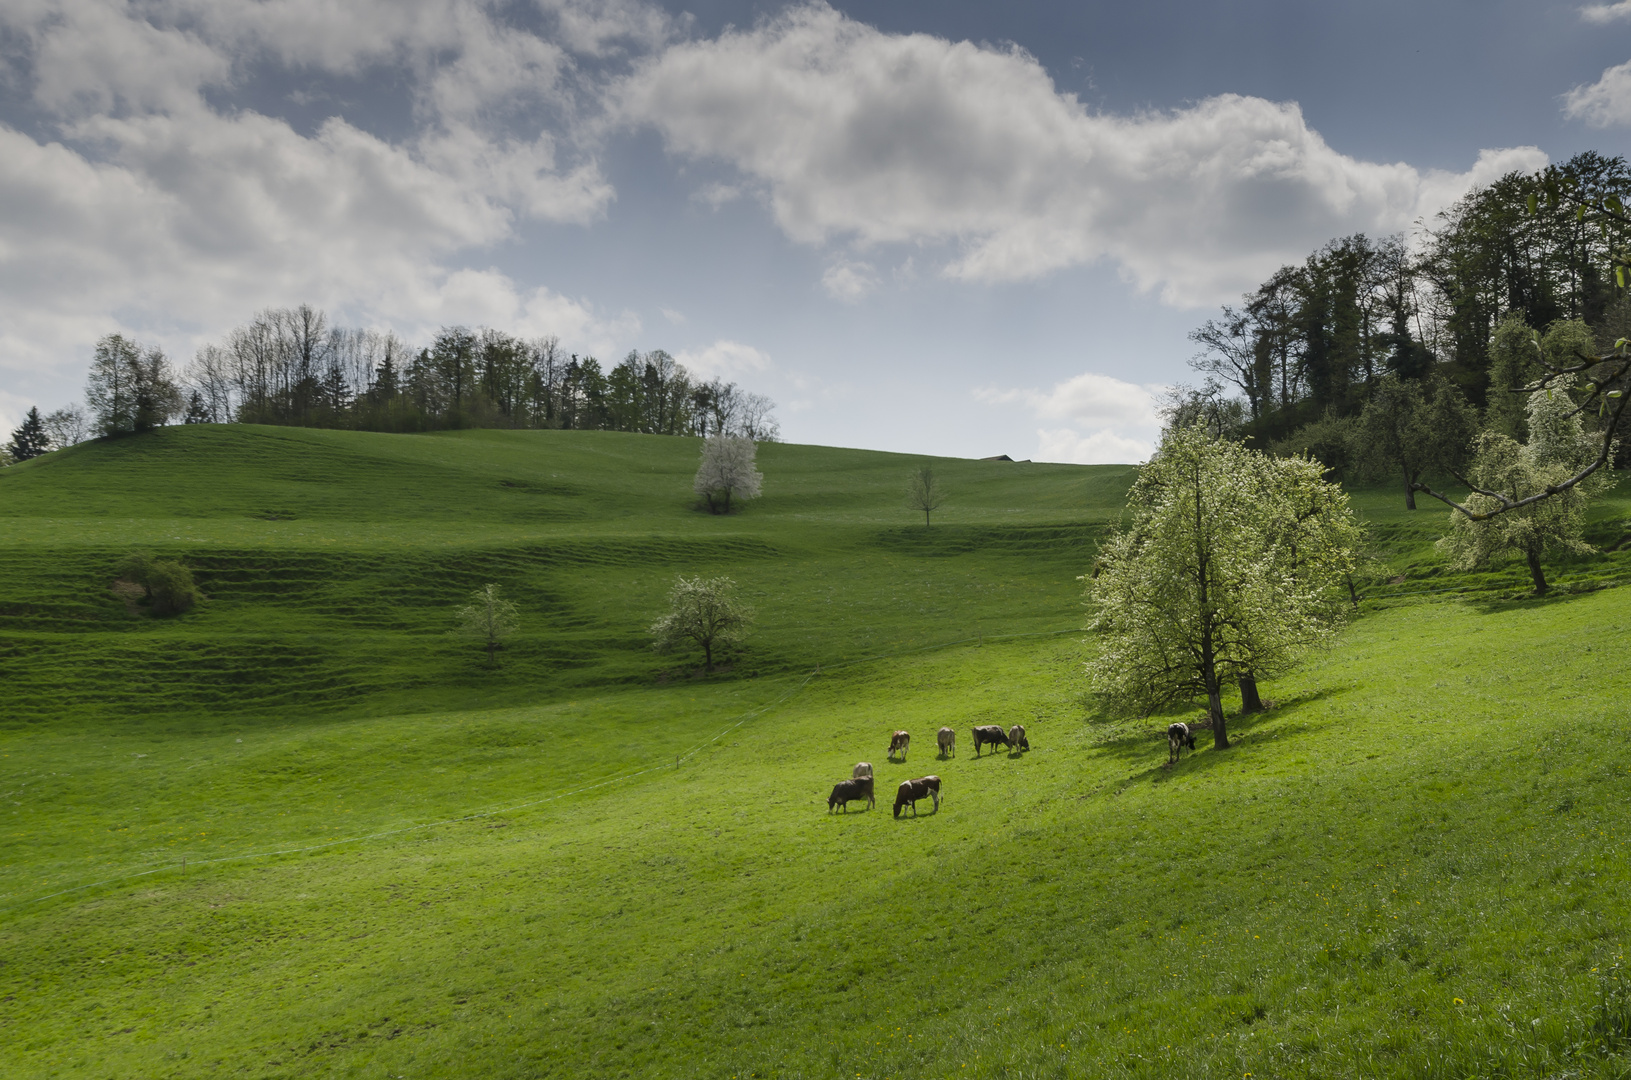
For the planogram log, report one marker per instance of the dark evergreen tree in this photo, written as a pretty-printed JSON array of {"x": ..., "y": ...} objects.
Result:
[
  {"x": 30, "y": 440},
  {"x": 197, "y": 412}
]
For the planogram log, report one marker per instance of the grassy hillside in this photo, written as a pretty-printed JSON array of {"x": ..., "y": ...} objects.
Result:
[
  {"x": 590, "y": 862},
  {"x": 334, "y": 559}
]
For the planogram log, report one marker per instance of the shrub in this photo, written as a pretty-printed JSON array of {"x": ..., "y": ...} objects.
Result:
[{"x": 167, "y": 584}]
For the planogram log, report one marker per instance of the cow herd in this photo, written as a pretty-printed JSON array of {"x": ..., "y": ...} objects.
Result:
[{"x": 858, "y": 788}]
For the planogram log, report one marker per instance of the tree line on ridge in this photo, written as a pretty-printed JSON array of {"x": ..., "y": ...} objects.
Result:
[
  {"x": 1435, "y": 340},
  {"x": 289, "y": 366}
]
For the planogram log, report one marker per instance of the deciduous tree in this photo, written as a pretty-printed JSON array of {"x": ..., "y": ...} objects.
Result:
[
  {"x": 1503, "y": 468},
  {"x": 488, "y": 617},
  {"x": 1227, "y": 569},
  {"x": 704, "y": 612},
  {"x": 923, "y": 492},
  {"x": 130, "y": 388},
  {"x": 727, "y": 471},
  {"x": 68, "y": 427},
  {"x": 1409, "y": 426}
]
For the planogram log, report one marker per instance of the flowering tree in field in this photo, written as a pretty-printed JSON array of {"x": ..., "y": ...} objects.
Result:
[
  {"x": 703, "y": 612},
  {"x": 727, "y": 470},
  {"x": 1229, "y": 569},
  {"x": 1502, "y": 468}
]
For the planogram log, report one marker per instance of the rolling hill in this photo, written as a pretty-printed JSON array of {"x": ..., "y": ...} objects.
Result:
[{"x": 303, "y": 831}]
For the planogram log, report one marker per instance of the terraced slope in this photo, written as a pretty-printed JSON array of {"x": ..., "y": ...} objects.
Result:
[{"x": 333, "y": 560}]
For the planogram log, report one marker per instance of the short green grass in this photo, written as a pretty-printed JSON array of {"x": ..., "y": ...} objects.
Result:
[{"x": 362, "y": 853}]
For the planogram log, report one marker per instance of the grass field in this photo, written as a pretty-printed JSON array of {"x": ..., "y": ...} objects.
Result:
[{"x": 363, "y": 853}]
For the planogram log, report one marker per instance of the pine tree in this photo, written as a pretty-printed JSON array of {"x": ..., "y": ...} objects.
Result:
[
  {"x": 30, "y": 440},
  {"x": 197, "y": 412}
]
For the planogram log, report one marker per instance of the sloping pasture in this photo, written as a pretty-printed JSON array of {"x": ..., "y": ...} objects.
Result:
[{"x": 304, "y": 832}]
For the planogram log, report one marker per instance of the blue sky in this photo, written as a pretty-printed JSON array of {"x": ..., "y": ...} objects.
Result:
[{"x": 954, "y": 228}]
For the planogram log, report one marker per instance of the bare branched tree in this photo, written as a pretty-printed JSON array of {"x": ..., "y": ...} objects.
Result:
[{"x": 923, "y": 492}]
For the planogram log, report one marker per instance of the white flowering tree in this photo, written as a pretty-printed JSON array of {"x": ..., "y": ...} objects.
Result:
[
  {"x": 703, "y": 612},
  {"x": 1506, "y": 470},
  {"x": 727, "y": 471},
  {"x": 1230, "y": 568}
]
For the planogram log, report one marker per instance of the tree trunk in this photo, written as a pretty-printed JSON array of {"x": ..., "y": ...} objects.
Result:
[
  {"x": 1410, "y": 488},
  {"x": 1249, "y": 701},
  {"x": 1535, "y": 573},
  {"x": 925, "y": 519},
  {"x": 1353, "y": 594},
  {"x": 707, "y": 656},
  {"x": 1214, "y": 709}
]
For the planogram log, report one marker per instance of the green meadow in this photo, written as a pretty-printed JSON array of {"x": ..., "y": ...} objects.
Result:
[{"x": 304, "y": 831}]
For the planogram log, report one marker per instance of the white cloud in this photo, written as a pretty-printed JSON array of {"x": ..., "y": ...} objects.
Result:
[
  {"x": 849, "y": 281},
  {"x": 163, "y": 207},
  {"x": 725, "y": 359},
  {"x": 1603, "y": 103},
  {"x": 1105, "y": 420},
  {"x": 906, "y": 138},
  {"x": 1606, "y": 13},
  {"x": 491, "y": 298},
  {"x": 1097, "y": 448}
]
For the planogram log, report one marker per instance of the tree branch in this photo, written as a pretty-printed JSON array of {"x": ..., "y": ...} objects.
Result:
[{"x": 1604, "y": 454}]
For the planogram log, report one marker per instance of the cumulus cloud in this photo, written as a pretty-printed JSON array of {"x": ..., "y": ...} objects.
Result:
[
  {"x": 1097, "y": 419},
  {"x": 1604, "y": 103},
  {"x": 153, "y": 198},
  {"x": 1606, "y": 13},
  {"x": 879, "y": 138},
  {"x": 725, "y": 359},
  {"x": 1097, "y": 448}
]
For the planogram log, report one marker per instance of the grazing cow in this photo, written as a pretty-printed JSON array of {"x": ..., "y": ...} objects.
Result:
[
  {"x": 1016, "y": 737},
  {"x": 898, "y": 742},
  {"x": 989, "y": 733},
  {"x": 1178, "y": 737},
  {"x": 948, "y": 742},
  {"x": 862, "y": 768},
  {"x": 846, "y": 791},
  {"x": 910, "y": 791}
]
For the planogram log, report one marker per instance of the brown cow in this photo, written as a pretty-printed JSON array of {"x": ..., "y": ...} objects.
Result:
[
  {"x": 989, "y": 733},
  {"x": 948, "y": 742},
  {"x": 1016, "y": 737},
  {"x": 910, "y": 791},
  {"x": 845, "y": 791},
  {"x": 898, "y": 742}
]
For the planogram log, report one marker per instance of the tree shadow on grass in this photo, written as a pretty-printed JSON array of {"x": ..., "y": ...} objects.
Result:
[
  {"x": 1528, "y": 601},
  {"x": 1143, "y": 741}
]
